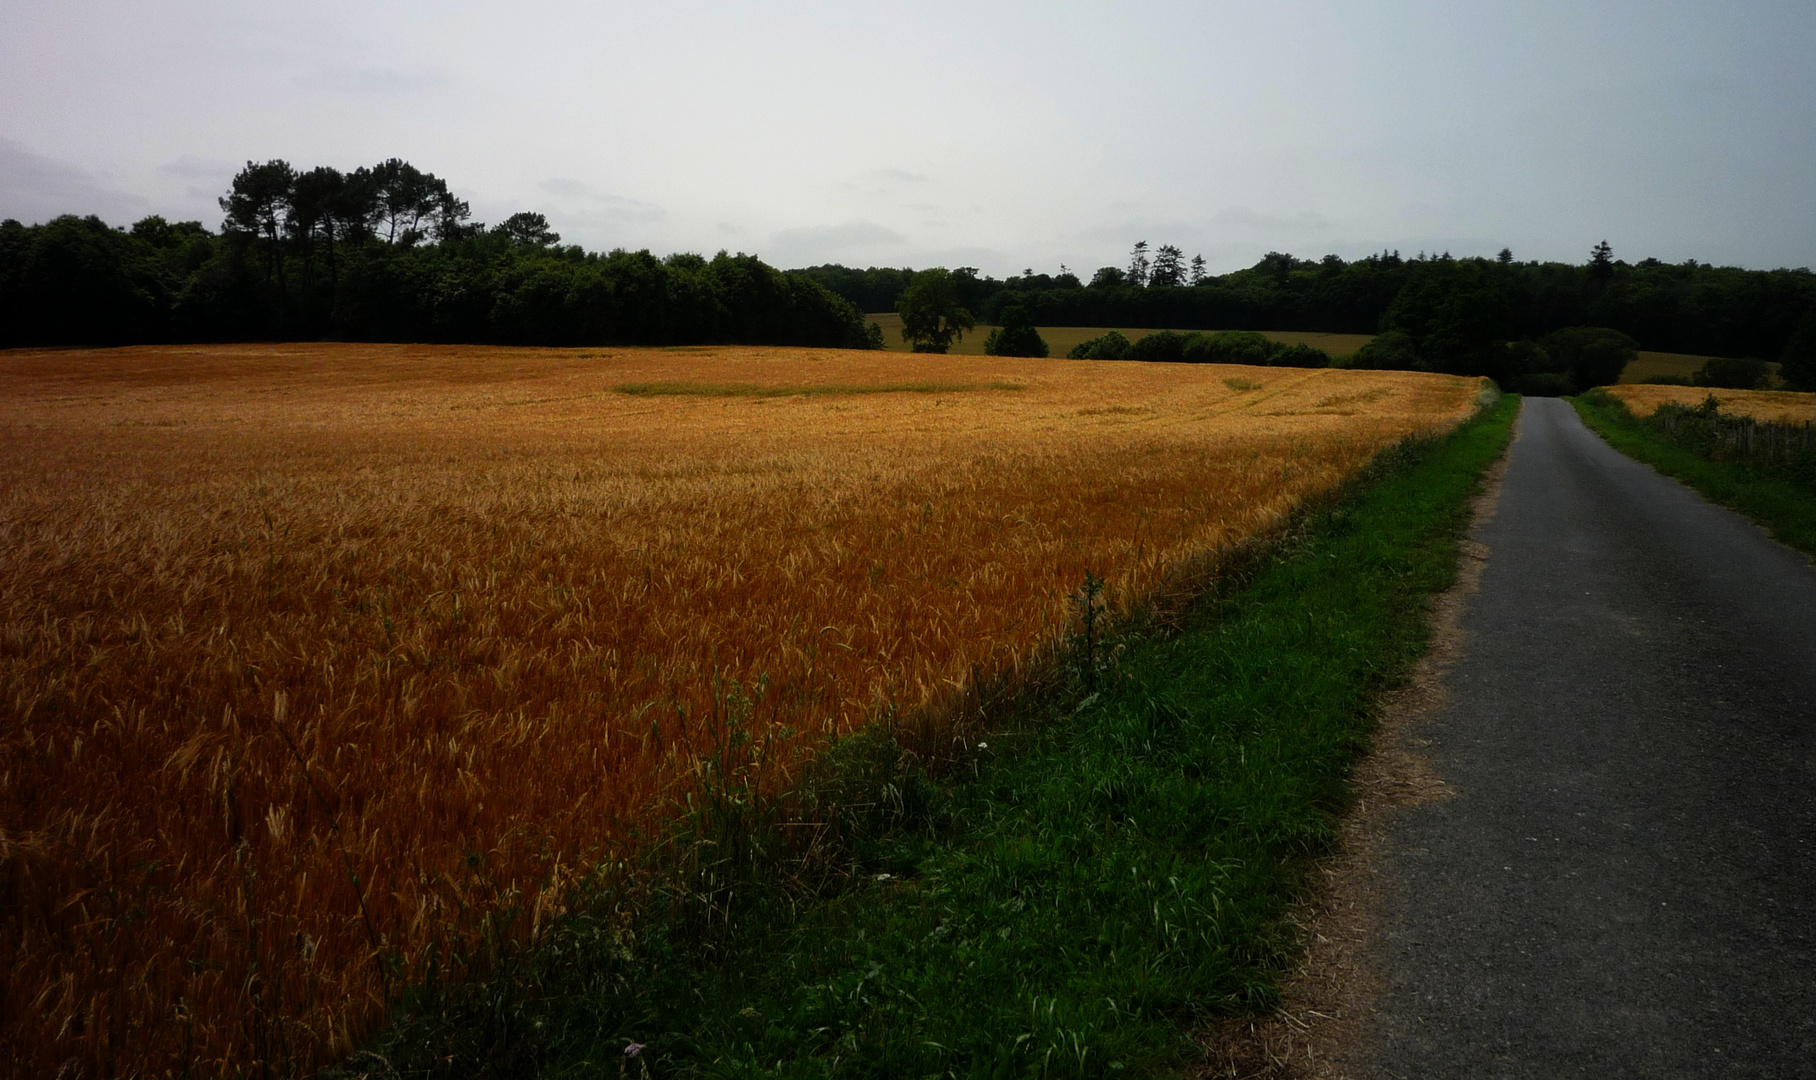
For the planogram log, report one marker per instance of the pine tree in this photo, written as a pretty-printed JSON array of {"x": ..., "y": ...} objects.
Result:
[
  {"x": 1138, "y": 265},
  {"x": 1169, "y": 267},
  {"x": 1601, "y": 261},
  {"x": 1199, "y": 274}
]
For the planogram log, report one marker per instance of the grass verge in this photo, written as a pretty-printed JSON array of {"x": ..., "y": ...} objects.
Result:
[
  {"x": 1106, "y": 871},
  {"x": 1061, "y": 339},
  {"x": 1784, "y": 506}
]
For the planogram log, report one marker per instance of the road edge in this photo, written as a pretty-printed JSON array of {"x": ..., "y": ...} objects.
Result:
[{"x": 1321, "y": 1029}]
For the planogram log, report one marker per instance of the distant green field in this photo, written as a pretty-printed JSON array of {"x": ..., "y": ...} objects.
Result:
[
  {"x": 1061, "y": 339},
  {"x": 1667, "y": 363}
]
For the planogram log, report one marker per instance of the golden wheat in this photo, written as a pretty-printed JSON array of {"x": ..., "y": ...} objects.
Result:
[
  {"x": 1779, "y": 406},
  {"x": 314, "y": 658}
]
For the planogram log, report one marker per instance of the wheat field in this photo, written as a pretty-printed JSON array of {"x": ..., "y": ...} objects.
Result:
[
  {"x": 1779, "y": 406},
  {"x": 315, "y": 659}
]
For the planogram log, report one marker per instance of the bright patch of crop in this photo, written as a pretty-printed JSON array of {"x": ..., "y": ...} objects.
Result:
[
  {"x": 326, "y": 666},
  {"x": 1778, "y": 406}
]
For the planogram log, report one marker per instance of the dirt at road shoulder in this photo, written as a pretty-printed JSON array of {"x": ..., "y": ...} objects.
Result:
[{"x": 1320, "y": 1030}]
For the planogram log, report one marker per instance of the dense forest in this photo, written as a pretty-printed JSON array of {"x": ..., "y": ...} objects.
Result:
[
  {"x": 384, "y": 253},
  {"x": 1452, "y": 312}
]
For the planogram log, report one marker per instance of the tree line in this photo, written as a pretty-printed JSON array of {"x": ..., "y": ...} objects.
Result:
[
  {"x": 1450, "y": 314},
  {"x": 389, "y": 253},
  {"x": 385, "y": 253}
]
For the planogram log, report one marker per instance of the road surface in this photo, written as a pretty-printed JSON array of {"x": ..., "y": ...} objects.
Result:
[{"x": 1625, "y": 881}]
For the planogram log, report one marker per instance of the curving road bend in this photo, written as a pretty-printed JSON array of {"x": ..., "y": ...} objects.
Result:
[{"x": 1624, "y": 883}]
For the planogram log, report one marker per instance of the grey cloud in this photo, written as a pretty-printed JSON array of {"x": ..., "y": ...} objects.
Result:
[
  {"x": 565, "y": 188},
  {"x": 849, "y": 234},
  {"x": 1241, "y": 217},
  {"x": 373, "y": 81},
  {"x": 35, "y": 188},
  {"x": 1676, "y": 135},
  {"x": 194, "y": 168},
  {"x": 885, "y": 181},
  {"x": 961, "y": 256},
  {"x": 586, "y": 203},
  {"x": 1123, "y": 234},
  {"x": 866, "y": 243},
  {"x": 851, "y": 241},
  {"x": 206, "y": 179},
  {"x": 899, "y": 176}
]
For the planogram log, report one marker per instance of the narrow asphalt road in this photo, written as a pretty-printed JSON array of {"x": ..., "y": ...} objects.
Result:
[{"x": 1624, "y": 883}]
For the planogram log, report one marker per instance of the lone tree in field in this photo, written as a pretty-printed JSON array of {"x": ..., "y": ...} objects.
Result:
[
  {"x": 932, "y": 317},
  {"x": 1016, "y": 336}
]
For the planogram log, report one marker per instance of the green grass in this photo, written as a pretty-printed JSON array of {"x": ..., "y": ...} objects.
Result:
[
  {"x": 1070, "y": 899},
  {"x": 1684, "y": 365},
  {"x": 742, "y": 390},
  {"x": 1785, "y": 507},
  {"x": 1061, "y": 339}
]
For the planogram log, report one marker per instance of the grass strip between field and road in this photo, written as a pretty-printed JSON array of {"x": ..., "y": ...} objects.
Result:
[
  {"x": 1785, "y": 507},
  {"x": 1108, "y": 870}
]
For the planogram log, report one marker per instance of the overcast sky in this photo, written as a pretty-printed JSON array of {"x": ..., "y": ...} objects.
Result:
[{"x": 997, "y": 135}]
